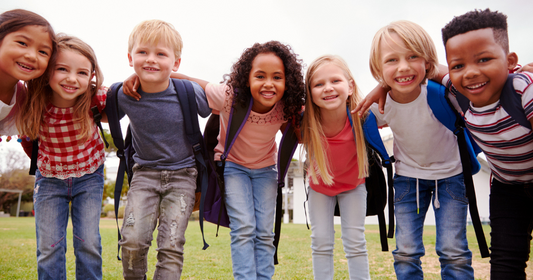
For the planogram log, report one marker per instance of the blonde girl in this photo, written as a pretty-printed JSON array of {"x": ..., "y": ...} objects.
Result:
[
  {"x": 70, "y": 159},
  {"x": 27, "y": 42},
  {"x": 337, "y": 166}
]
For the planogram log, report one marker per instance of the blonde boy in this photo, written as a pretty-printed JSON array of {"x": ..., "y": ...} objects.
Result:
[
  {"x": 164, "y": 181},
  {"x": 428, "y": 166}
]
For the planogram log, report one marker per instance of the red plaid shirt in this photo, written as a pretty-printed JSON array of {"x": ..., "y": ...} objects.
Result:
[{"x": 60, "y": 153}]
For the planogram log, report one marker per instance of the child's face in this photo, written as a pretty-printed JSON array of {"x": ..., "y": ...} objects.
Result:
[
  {"x": 266, "y": 81},
  {"x": 402, "y": 69},
  {"x": 330, "y": 88},
  {"x": 153, "y": 64},
  {"x": 70, "y": 78},
  {"x": 24, "y": 54},
  {"x": 478, "y": 66}
]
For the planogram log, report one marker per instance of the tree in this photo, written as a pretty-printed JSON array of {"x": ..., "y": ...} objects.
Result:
[{"x": 14, "y": 176}]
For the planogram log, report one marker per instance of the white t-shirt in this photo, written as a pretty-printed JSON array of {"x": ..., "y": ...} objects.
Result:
[{"x": 423, "y": 147}]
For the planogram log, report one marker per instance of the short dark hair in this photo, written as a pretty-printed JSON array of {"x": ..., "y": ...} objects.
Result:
[{"x": 479, "y": 19}]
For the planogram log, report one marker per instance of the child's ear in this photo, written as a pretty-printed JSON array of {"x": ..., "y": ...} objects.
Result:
[
  {"x": 351, "y": 85},
  {"x": 512, "y": 60},
  {"x": 176, "y": 65},
  {"x": 130, "y": 59}
]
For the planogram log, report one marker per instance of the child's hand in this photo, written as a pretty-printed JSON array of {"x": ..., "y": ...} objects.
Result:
[
  {"x": 526, "y": 68},
  {"x": 130, "y": 86},
  {"x": 377, "y": 95}
]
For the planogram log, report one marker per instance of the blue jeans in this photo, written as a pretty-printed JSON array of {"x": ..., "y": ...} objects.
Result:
[
  {"x": 250, "y": 201},
  {"x": 166, "y": 196},
  {"x": 511, "y": 220},
  {"x": 451, "y": 246},
  {"x": 352, "y": 205},
  {"x": 51, "y": 198}
]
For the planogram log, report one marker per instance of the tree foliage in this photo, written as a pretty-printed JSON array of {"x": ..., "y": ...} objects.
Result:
[{"x": 14, "y": 168}]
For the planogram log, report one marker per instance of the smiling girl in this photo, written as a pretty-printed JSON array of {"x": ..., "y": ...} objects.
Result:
[
  {"x": 27, "y": 42},
  {"x": 70, "y": 159}
]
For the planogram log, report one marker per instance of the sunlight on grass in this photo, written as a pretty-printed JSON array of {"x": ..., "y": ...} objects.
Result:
[{"x": 18, "y": 261}]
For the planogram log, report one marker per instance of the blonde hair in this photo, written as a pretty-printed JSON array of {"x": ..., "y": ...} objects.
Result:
[
  {"x": 155, "y": 31},
  {"x": 30, "y": 118},
  {"x": 314, "y": 139},
  {"x": 414, "y": 37}
]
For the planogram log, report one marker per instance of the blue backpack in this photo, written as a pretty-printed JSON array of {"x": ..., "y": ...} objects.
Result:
[{"x": 468, "y": 149}]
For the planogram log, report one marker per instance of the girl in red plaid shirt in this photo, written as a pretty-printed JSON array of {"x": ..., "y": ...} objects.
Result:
[{"x": 70, "y": 159}]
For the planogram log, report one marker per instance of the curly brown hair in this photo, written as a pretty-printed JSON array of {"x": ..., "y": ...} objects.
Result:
[{"x": 294, "y": 96}]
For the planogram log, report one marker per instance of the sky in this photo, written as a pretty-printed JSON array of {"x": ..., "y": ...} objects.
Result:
[{"x": 216, "y": 32}]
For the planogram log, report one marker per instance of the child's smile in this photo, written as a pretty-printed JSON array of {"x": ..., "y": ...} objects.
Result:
[
  {"x": 266, "y": 81},
  {"x": 24, "y": 54},
  {"x": 478, "y": 66},
  {"x": 70, "y": 79},
  {"x": 330, "y": 89},
  {"x": 403, "y": 70}
]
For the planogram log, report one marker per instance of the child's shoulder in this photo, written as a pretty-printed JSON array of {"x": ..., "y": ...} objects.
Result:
[{"x": 522, "y": 81}]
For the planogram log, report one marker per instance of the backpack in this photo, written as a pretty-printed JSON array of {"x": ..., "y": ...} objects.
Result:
[
  {"x": 31, "y": 148},
  {"x": 510, "y": 100},
  {"x": 125, "y": 151},
  {"x": 214, "y": 208},
  {"x": 449, "y": 117}
]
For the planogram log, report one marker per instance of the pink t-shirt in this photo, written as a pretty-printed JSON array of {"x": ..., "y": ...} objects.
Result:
[
  {"x": 342, "y": 155},
  {"x": 255, "y": 146}
]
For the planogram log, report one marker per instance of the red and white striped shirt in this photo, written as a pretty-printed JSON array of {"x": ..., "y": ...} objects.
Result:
[
  {"x": 60, "y": 153},
  {"x": 507, "y": 145}
]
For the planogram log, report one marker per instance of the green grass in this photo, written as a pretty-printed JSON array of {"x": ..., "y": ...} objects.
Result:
[{"x": 18, "y": 261}]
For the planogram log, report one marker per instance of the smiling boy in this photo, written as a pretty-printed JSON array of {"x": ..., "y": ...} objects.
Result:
[
  {"x": 479, "y": 61},
  {"x": 162, "y": 189}
]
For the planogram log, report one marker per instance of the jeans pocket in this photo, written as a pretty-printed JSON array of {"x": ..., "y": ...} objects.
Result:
[
  {"x": 455, "y": 187},
  {"x": 401, "y": 187}
]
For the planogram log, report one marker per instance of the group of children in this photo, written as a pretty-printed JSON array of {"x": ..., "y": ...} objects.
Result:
[{"x": 48, "y": 83}]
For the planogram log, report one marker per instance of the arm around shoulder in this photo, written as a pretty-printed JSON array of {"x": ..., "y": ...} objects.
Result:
[
  {"x": 180, "y": 76},
  {"x": 201, "y": 100}
]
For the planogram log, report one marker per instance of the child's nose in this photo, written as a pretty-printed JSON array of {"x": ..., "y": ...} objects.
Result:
[
  {"x": 471, "y": 72},
  {"x": 31, "y": 55},
  {"x": 403, "y": 65}
]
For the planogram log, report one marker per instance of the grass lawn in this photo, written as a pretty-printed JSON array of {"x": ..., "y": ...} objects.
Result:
[{"x": 18, "y": 261}]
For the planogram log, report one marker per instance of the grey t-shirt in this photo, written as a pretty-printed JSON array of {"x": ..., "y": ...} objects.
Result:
[{"x": 156, "y": 123}]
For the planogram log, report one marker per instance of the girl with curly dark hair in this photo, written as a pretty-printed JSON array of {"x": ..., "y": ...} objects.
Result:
[{"x": 271, "y": 75}]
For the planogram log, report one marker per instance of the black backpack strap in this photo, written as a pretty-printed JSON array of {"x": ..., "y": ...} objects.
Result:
[
  {"x": 460, "y": 133},
  {"x": 287, "y": 147},
  {"x": 187, "y": 99},
  {"x": 34, "y": 155},
  {"x": 97, "y": 117},
  {"x": 111, "y": 111},
  {"x": 511, "y": 101}
]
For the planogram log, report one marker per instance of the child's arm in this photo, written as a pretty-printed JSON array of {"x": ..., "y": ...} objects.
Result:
[
  {"x": 526, "y": 68},
  {"x": 377, "y": 95},
  {"x": 131, "y": 84}
]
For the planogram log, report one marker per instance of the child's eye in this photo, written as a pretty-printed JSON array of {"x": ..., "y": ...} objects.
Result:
[
  {"x": 391, "y": 60},
  {"x": 161, "y": 54},
  {"x": 278, "y": 78},
  {"x": 318, "y": 85},
  {"x": 83, "y": 73},
  {"x": 61, "y": 69},
  {"x": 484, "y": 59},
  {"x": 259, "y": 76},
  {"x": 457, "y": 67},
  {"x": 413, "y": 57},
  {"x": 45, "y": 53},
  {"x": 22, "y": 43}
]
